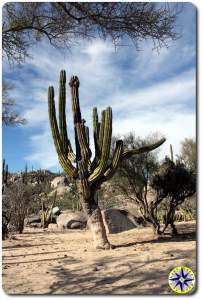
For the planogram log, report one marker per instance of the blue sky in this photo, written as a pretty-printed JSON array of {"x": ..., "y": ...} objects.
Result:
[{"x": 148, "y": 91}]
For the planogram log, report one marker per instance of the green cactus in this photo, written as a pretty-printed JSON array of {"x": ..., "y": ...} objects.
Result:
[
  {"x": 4, "y": 175},
  {"x": 25, "y": 175},
  {"x": 90, "y": 173},
  {"x": 46, "y": 213}
]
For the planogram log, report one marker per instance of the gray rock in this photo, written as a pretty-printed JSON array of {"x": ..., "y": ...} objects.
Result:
[
  {"x": 77, "y": 225},
  {"x": 56, "y": 211},
  {"x": 67, "y": 219},
  {"x": 59, "y": 181},
  {"x": 32, "y": 219},
  {"x": 116, "y": 220}
]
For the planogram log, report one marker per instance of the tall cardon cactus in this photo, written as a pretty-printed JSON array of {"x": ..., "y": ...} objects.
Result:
[{"x": 89, "y": 173}]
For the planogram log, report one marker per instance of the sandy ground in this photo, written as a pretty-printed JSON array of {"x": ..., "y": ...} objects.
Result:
[{"x": 45, "y": 262}]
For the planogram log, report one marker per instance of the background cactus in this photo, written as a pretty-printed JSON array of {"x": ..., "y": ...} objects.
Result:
[
  {"x": 5, "y": 210},
  {"x": 89, "y": 173},
  {"x": 171, "y": 153},
  {"x": 46, "y": 213},
  {"x": 4, "y": 174}
]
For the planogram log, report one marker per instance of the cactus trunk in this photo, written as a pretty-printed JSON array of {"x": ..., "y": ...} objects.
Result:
[
  {"x": 95, "y": 220},
  {"x": 90, "y": 173}
]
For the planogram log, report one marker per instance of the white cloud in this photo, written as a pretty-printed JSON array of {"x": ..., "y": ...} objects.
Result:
[
  {"x": 43, "y": 151},
  {"x": 151, "y": 94}
]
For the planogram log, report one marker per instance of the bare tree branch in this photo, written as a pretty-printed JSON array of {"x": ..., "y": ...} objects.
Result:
[{"x": 26, "y": 23}]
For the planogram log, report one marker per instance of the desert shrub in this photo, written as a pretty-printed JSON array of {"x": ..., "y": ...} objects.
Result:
[
  {"x": 46, "y": 209},
  {"x": 69, "y": 200},
  {"x": 158, "y": 190},
  {"x": 133, "y": 178},
  {"x": 173, "y": 184},
  {"x": 6, "y": 216},
  {"x": 19, "y": 198}
]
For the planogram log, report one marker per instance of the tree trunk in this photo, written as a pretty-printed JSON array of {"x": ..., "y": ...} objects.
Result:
[
  {"x": 173, "y": 228},
  {"x": 152, "y": 217}
]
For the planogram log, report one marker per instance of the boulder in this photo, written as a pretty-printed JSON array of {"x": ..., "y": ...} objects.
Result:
[
  {"x": 60, "y": 185},
  {"x": 59, "y": 181},
  {"x": 72, "y": 220},
  {"x": 133, "y": 213},
  {"x": 32, "y": 219},
  {"x": 77, "y": 225},
  {"x": 56, "y": 211},
  {"x": 116, "y": 220}
]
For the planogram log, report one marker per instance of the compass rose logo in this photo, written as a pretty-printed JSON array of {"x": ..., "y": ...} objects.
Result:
[{"x": 181, "y": 280}]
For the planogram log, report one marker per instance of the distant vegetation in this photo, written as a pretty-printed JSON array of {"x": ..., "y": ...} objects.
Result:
[{"x": 141, "y": 180}]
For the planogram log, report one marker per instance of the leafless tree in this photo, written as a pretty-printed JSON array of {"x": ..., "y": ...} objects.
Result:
[
  {"x": 26, "y": 23},
  {"x": 173, "y": 184},
  {"x": 134, "y": 176},
  {"x": 19, "y": 197},
  {"x": 9, "y": 116}
]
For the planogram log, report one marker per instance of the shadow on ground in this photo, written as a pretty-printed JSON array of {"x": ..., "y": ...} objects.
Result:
[{"x": 127, "y": 278}]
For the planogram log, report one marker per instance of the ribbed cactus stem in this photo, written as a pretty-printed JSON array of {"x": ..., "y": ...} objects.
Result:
[
  {"x": 128, "y": 153},
  {"x": 65, "y": 162},
  {"x": 62, "y": 112},
  {"x": 106, "y": 130},
  {"x": 77, "y": 119},
  {"x": 115, "y": 160}
]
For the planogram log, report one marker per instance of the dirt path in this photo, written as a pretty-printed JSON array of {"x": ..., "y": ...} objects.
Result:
[{"x": 45, "y": 262}]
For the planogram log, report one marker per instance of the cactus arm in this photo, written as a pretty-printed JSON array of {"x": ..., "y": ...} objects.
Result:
[
  {"x": 83, "y": 143},
  {"x": 96, "y": 129},
  {"x": 74, "y": 84},
  {"x": 62, "y": 115},
  {"x": 96, "y": 132},
  {"x": 67, "y": 148},
  {"x": 128, "y": 153},
  {"x": 87, "y": 136},
  {"x": 102, "y": 129},
  {"x": 66, "y": 164},
  {"x": 88, "y": 142},
  {"x": 105, "y": 149},
  {"x": 115, "y": 161}
]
